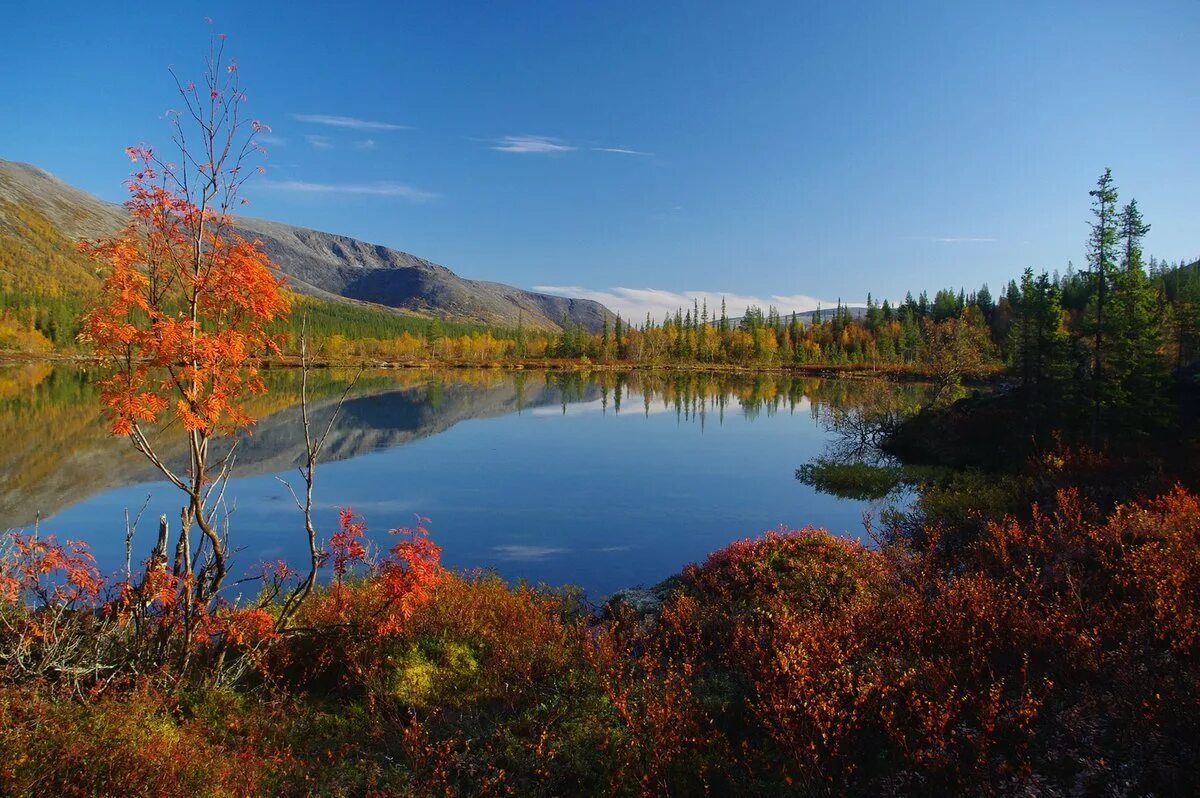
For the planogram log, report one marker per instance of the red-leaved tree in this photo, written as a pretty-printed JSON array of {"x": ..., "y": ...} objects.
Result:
[{"x": 184, "y": 313}]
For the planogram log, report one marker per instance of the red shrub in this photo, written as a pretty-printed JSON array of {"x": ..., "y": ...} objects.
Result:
[
  {"x": 133, "y": 744},
  {"x": 649, "y": 676},
  {"x": 344, "y": 626},
  {"x": 1061, "y": 651}
]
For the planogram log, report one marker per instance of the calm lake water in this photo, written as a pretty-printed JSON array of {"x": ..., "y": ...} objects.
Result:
[{"x": 603, "y": 480}]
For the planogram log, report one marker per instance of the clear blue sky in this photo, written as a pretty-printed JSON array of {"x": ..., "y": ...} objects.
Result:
[{"x": 777, "y": 149}]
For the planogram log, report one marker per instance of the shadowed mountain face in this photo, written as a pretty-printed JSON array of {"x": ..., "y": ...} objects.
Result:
[
  {"x": 73, "y": 457},
  {"x": 330, "y": 265},
  {"x": 316, "y": 263}
]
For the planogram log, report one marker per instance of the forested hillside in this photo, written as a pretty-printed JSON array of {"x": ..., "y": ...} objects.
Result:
[{"x": 356, "y": 290}]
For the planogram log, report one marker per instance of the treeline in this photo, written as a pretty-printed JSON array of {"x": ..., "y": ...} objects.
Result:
[
  {"x": 40, "y": 322},
  {"x": 1112, "y": 330},
  {"x": 1117, "y": 326},
  {"x": 31, "y": 322},
  {"x": 1093, "y": 350},
  {"x": 44, "y": 283}
]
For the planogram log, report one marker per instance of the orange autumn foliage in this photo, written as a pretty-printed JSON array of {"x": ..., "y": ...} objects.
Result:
[
  {"x": 52, "y": 572},
  {"x": 1057, "y": 650},
  {"x": 184, "y": 311},
  {"x": 132, "y": 744},
  {"x": 367, "y": 604},
  {"x": 1057, "y": 653}
]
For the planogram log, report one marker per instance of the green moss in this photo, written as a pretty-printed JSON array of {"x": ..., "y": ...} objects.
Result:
[{"x": 432, "y": 671}]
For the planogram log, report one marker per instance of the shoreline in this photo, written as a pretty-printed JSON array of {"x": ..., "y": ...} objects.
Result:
[{"x": 890, "y": 372}]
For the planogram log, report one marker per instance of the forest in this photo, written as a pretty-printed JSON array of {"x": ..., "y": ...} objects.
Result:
[{"x": 1037, "y": 325}]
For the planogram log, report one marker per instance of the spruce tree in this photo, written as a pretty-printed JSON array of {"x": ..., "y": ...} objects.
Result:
[
  {"x": 1102, "y": 246},
  {"x": 1138, "y": 372},
  {"x": 1038, "y": 345}
]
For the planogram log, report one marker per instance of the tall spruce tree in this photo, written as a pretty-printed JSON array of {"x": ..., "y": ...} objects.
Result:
[{"x": 1102, "y": 248}]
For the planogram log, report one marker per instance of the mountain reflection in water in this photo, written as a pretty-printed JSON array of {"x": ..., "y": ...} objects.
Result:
[{"x": 601, "y": 479}]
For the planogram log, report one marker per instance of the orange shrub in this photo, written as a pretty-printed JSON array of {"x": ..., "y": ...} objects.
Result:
[
  {"x": 133, "y": 744},
  {"x": 342, "y": 628},
  {"x": 1055, "y": 652}
]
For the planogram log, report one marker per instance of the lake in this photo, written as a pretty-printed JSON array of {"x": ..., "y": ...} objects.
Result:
[{"x": 603, "y": 480}]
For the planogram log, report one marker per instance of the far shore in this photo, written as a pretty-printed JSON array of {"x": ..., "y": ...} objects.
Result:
[{"x": 889, "y": 371}]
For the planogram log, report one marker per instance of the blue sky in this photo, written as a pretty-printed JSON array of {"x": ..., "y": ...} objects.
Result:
[{"x": 638, "y": 151}]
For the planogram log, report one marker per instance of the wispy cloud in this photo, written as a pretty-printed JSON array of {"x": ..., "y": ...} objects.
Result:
[
  {"x": 365, "y": 144},
  {"x": 620, "y": 151},
  {"x": 270, "y": 139},
  {"x": 534, "y": 144},
  {"x": 319, "y": 142},
  {"x": 635, "y": 303},
  {"x": 545, "y": 145},
  {"x": 383, "y": 189},
  {"x": 954, "y": 239},
  {"x": 349, "y": 122}
]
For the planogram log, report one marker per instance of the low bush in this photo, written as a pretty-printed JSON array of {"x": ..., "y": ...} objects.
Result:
[{"x": 1057, "y": 653}]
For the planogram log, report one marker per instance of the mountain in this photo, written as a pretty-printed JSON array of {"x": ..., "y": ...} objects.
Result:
[
  {"x": 41, "y": 217},
  {"x": 855, "y": 311},
  {"x": 324, "y": 264}
]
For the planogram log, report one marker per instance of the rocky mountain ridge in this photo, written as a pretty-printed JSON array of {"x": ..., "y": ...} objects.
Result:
[{"x": 321, "y": 264}]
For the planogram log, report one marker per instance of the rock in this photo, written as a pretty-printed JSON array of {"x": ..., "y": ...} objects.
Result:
[{"x": 644, "y": 601}]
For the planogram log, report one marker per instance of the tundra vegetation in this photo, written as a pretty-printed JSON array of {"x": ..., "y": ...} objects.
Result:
[{"x": 1029, "y": 623}]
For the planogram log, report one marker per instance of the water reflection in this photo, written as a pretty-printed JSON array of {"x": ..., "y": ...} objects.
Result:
[{"x": 600, "y": 478}]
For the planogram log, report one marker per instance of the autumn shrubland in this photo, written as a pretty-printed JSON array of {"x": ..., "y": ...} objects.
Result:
[{"x": 1055, "y": 653}]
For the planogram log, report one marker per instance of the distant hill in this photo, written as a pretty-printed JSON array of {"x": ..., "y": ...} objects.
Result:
[
  {"x": 41, "y": 217},
  {"x": 807, "y": 316}
]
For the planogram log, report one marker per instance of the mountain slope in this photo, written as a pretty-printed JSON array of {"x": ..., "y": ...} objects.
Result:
[
  {"x": 41, "y": 217},
  {"x": 325, "y": 264}
]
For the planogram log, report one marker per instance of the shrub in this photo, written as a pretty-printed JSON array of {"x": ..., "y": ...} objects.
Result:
[
  {"x": 133, "y": 744},
  {"x": 1058, "y": 653}
]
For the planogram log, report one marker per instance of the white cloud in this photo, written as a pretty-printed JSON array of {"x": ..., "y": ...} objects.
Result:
[
  {"x": 954, "y": 239},
  {"x": 365, "y": 144},
  {"x": 634, "y": 303},
  {"x": 534, "y": 144},
  {"x": 349, "y": 122},
  {"x": 319, "y": 142},
  {"x": 383, "y": 189},
  {"x": 270, "y": 139},
  {"x": 620, "y": 150},
  {"x": 543, "y": 145}
]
